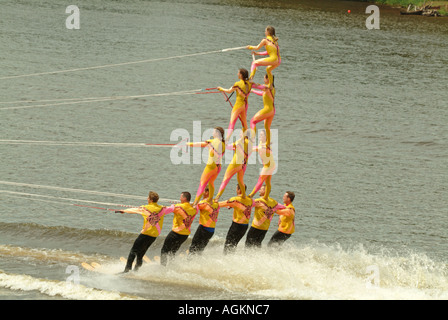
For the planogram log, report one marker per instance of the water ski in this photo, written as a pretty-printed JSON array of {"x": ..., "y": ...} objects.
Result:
[
  {"x": 87, "y": 266},
  {"x": 94, "y": 266}
]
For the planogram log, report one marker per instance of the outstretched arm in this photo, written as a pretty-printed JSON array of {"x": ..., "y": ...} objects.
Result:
[
  {"x": 137, "y": 210},
  {"x": 261, "y": 44},
  {"x": 257, "y": 92},
  {"x": 261, "y": 88},
  {"x": 226, "y": 204},
  {"x": 285, "y": 212},
  {"x": 234, "y": 88},
  {"x": 226, "y": 90},
  {"x": 197, "y": 144},
  {"x": 167, "y": 210}
]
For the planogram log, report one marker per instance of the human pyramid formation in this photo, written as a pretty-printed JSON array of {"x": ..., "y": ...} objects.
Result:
[{"x": 242, "y": 204}]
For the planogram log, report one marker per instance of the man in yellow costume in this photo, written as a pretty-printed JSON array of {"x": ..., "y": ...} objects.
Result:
[
  {"x": 264, "y": 212},
  {"x": 242, "y": 207},
  {"x": 153, "y": 215},
  {"x": 286, "y": 221},
  {"x": 184, "y": 214}
]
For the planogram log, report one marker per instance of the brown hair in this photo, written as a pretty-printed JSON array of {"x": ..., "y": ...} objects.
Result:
[
  {"x": 153, "y": 196},
  {"x": 271, "y": 31},
  {"x": 244, "y": 73},
  {"x": 221, "y": 131},
  {"x": 273, "y": 79},
  {"x": 238, "y": 185},
  {"x": 187, "y": 195},
  {"x": 291, "y": 195}
]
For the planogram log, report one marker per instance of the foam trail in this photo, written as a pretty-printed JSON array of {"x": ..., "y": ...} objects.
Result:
[
  {"x": 57, "y": 288},
  {"x": 315, "y": 272},
  {"x": 48, "y": 255},
  {"x": 311, "y": 271}
]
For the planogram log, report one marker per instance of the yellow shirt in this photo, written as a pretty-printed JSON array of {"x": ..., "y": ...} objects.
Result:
[
  {"x": 266, "y": 155},
  {"x": 208, "y": 213},
  {"x": 184, "y": 214},
  {"x": 217, "y": 149},
  {"x": 286, "y": 222},
  {"x": 272, "y": 48},
  {"x": 240, "y": 99},
  {"x": 264, "y": 212},
  {"x": 268, "y": 100},
  {"x": 153, "y": 215},
  {"x": 241, "y": 208},
  {"x": 242, "y": 151}
]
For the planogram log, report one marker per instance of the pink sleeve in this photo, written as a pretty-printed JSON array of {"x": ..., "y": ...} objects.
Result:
[
  {"x": 258, "y": 86},
  {"x": 264, "y": 53},
  {"x": 167, "y": 210},
  {"x": 257, "y": 92},
  {"x": 279, "y": 207}
]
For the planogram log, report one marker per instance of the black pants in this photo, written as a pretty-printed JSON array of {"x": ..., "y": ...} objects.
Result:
[
  {"x": 141, "y": 245},
  {"x": 234, "y": 235},
  {"x": 172, "y": 243},
  {"x": 278, "y": 238},
  {"x": 200, "y": 240},
  {"x": 255, "y": 237}
]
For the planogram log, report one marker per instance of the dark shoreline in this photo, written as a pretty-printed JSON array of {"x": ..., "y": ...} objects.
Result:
[{"x": 416, "y": 7}]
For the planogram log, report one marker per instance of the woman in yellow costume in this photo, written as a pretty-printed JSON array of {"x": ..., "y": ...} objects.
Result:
[
  {"x": 272, "y": 49},
  {"x": 268, "y": 167},
  {"x": 239, "y": 110},
  {"x": 242, "y": 151},
  {"x": 213, "y": 167},
  {"x": 267, "y": 113}
]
